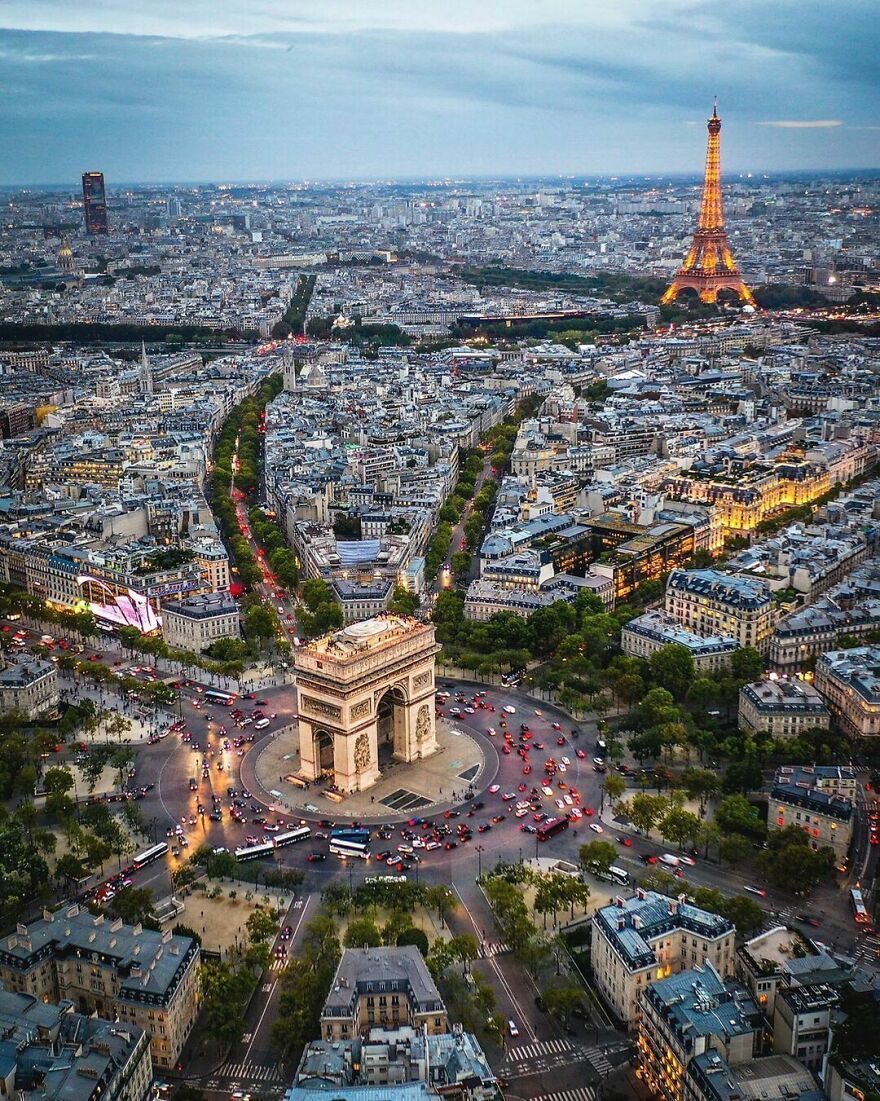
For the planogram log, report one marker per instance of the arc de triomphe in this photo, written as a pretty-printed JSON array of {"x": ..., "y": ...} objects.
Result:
[{"x": 365, "y": 696}]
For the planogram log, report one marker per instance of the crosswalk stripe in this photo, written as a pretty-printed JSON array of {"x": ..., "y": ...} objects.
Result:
[
  {"x": 250, "y": 1070},
  {"x": 582, "y": 1093},
  {"x": 544, "y": 1047}
]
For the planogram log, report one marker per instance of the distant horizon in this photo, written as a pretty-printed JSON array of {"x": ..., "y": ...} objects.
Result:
[{"x": 753, "y": 175}]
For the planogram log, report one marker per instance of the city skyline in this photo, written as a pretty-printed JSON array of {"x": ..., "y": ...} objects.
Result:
[{"x": 374, "y": 91}]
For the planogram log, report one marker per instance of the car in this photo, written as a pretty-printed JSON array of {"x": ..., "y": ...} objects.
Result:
[
  {"x": 648, "y": 858},
  {"x": 565, "y": 761},
  {"x": 759, "y": 891},
  {"x": 450, "y": 845},
  {"x": 627, "y": 841},
  {"x": 491, "y": 731},
  {"x": 556, "y": 726},
  {"x": 512, "y": 1029},
  {"x": 270, "y": 827},
  {"x": 494, "y": 789},
  {"x": 809, "y": 919},
  {"x": 689, "y": 860},
  {"x": 538, "y": 745},
  {"x": 507, "y": 796},
  {"x": 287, "y": 932},
  {"x": 498, "y": 819},
  {"x": 596, "y": 828},
  {"x": 575, "y": 814},
  {"x": 484, "y": 827}
]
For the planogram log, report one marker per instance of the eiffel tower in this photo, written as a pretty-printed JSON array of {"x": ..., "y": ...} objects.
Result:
[{"x": 709, "y": 265}]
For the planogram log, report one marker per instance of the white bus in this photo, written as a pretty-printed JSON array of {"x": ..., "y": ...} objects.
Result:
[
  {"x": 360, "y": 849},
  {"x": 301, "y": 833},
  {"x": 385, "y": 879},
  {"x": 613, "y": 875},
  {"x": 151, "y": 854},
  {"x": 254, "y": 852}
]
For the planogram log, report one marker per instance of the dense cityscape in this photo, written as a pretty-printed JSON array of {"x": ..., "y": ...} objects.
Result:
[{"x": 440, "y": 637}]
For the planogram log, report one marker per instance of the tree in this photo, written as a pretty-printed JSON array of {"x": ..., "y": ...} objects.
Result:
[
  {"x": 645, "y": 811},
  {"x": 680, "y": 826},
  {"x": 745, "y": 913},
  {"x": 561, "y": 1000},
  {"x": 613, "y": 786},
  {"x": 702, "y": 784},
  {"x": 416, "y": 937},
  {"x": 134, "y": 905},
  {"x": 746, "y": 665},
  {"x": 733, "y": 848},
  {"x": 362, "y": 932},
  {"x": 260, "y": 926},
  {"x": 672, "y": 667},
  {"x": 735, "y": 814},
  {"x": 789, "y": 862},
  {"x": 597, "y": 855}
]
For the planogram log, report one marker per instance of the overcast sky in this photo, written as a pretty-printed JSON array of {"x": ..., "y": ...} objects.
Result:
[{"x": 158, "y": 90}]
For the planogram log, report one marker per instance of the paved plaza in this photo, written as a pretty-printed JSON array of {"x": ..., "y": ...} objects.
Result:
[{"x": 459, "y": 766}]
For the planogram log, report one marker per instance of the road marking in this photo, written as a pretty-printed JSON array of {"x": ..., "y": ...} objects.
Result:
[
  {"x": 269, "y": 999},
  {"x": 504, "y": 983}
]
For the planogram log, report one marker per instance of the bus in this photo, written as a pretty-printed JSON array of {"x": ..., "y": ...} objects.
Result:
[
  {"x": 340, "y": 847},
  {"x": 301, "y": 833},
  {"x": 212, "y": 695},
  {"x": 151, "y": 854},
  {"x": 254, "y": 852},
  {"x": 385, "y": 879},
  {"x": 857, "y": 902},
  {"x": 551, "y": 827},
  {"x": 353, "y": 833},
  {"x": 613, "y": 875}
]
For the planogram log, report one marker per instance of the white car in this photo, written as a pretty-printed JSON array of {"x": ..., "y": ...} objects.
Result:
[
  {"x": 509, "y": 711},
  {"x": 512, "y": 1029},
  {"x": 494, "y": 789},
  {"x": 755, "y": 890},
  {"x": 689, "y": 860},
  {"x": 565, "y": 761},
  {"x": 575, "y": 814},
  {"x": 491, "y": 732},
  {"x": 596, "y": 828},
  {"x": 521, "y": 812},
  {"x": 469, "y": 710},
  {"x": 546, "y": 790},
  {"x": 568, "y": 800},
  {"x": 507, "y": 796},
  {"x": 432, "y": 845},
  {"x": 560, "y": 804}
]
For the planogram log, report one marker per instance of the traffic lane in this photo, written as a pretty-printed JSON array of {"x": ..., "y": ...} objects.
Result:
[{"x": 263, "y": 1010}]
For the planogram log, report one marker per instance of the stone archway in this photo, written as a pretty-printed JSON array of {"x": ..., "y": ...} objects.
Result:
[
  {"x": 391, "y": 726},
  {"x": 367, "y": 690},
  {"x": 323, "y": 750}
]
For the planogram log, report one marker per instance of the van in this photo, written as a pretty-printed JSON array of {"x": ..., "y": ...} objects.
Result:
[{"x": 261, "y": 724}]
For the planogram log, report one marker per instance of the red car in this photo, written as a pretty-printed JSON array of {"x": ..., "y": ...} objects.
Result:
[
  {"x": 581, "y": 755},
  {"x": 560, "y": 740}
]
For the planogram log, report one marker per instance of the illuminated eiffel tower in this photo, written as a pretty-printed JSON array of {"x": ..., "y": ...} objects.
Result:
[{"x": 709, "y": 265}]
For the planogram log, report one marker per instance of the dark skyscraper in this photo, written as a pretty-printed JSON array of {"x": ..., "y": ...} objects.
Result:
[{"x": 94, "y": 202}]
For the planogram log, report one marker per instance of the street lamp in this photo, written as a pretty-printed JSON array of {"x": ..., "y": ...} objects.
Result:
[{"x": 480, "y": 849}]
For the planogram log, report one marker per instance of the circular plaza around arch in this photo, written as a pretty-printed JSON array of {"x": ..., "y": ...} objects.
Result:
[{"x": 367, "y": 743}]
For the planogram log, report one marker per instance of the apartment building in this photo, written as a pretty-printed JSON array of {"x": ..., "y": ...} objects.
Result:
[
  {"x": 849, "y": 680},
  {"x": 648, "y": 937},
  {"x": 817, "y": 799},
  {"x": 54, "y": 1053},
  {"x": 362, "y": 599},
  {"x": 782, "y": 708},
  {"x": 28, "y": 685},
  {"x": 138, "y": 977},
  {"x": 802, "y": 1020},
  {"x": 709, "y": 602},
  {"x": 773, "y": 1078},
  {"x": 646, "y": 634},
  {"x": 386, "y": 987},
  {"x": 693, "y": 1013},
  {"x": 451, "y": 1063},
  {"x": 196, "y": 622}
]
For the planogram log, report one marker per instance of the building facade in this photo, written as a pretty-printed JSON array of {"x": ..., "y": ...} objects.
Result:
[
  {"x": 849, "y": 680},
  {"x": 641, "y": 939},
  {"x": 819, "y": 800},
  {"x": 783, "y": 708},
  {"x": 196, "y": 622},
  {"x": 136, "y": 976},
  {"x": 28, "y": 686},
  {"x": 382, "y": 987},
  {"x": 709, "y": 602}
]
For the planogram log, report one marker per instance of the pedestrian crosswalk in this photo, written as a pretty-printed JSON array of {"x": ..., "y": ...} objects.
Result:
[
  {"x": 250, "y": 1072},
  {"x": 489, "y": 949},
  {"x": 581, "y": 1093},
  {"x": 278, "y": 964},
  {"x": 537, "y": 1051}
]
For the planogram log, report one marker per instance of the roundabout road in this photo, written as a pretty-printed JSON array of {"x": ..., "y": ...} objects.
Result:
[{"x": 172, "y": 763}]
